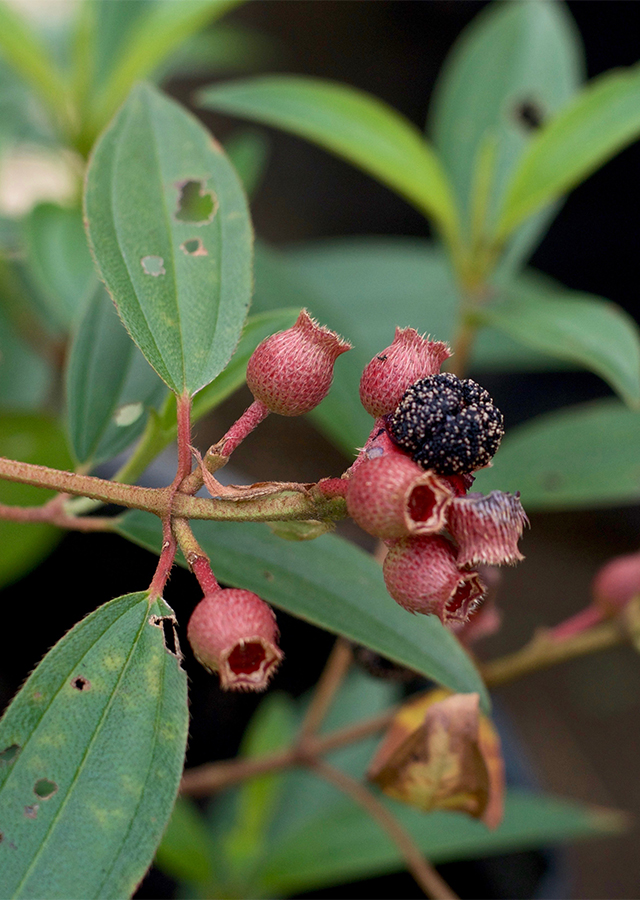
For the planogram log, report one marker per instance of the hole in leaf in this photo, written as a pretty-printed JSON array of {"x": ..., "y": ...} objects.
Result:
[
  {"x": 169, "y": 634},
  {"x": 80, "y": 683},
  {"x": 195, "y": 205},
  {"x": 31, "y": 811},
  {"x": 193, "y": 247},
  {"x": 246, "y": 658},
  {"x": 128, "y": 413},
  {"x": 44, "y": 788},
  {"x": 153, "y": 265},
  {"x": 529, "y": 115},
  {"x": 9, "y": 754}
]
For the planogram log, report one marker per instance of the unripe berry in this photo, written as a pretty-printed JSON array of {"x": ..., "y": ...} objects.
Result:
[
  {"x": 617, "y": 583},
  {"x": 390, "y": 373},
  {"x": 422, "y": 575},
  {"x": 391, "y": 497},
  {"x": 447, "y": 424},
  {"x": 487, "y": 529},
  {"x": 291, "y": 372},
  {"x": 234, "y": 632}
]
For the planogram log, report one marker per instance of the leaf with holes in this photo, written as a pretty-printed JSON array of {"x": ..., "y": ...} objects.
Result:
[
  {"x": 329, "y": 582},
  {"x": 170, "y": 230},
  {"x": 576, "y": 457},
  {"x": 91, "y": 752},
  {"x": 110, "y": 386},
  {"x": 598, "y": 123},
  {"x": 352, "y": 124},
  {"x": 513, "y": 66}
]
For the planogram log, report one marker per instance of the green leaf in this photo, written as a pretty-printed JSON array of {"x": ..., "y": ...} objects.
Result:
[
  {"x": 32, "y": 439},
  {"x": 170, "y": 230},
  {"x": 28, "y": 55},
  {"x": 580, "y": 328},
  {"x": 512, "y": 57},
  {"x": 144, "y": 38},
  {"x": 345, "y": 844},
  {"x": 25, "y": 377},
  {"x": 352, "y": 124},
  {"x": 100, "y": 727},
  {"x": 110, "y": 386},
  {"x": 59, "y": 259},
  {"x": 187, "y": 850},
  {"x": 328, "y": 582},
  {"x": 347, "y": 283},
  {"x": 580, "y": 456},
  {"x": 602, "y": 119},
  {"x": 249, "y": 152}
]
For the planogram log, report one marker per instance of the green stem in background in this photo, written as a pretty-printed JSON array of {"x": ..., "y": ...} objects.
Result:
[{"x": 334, "y": 673}]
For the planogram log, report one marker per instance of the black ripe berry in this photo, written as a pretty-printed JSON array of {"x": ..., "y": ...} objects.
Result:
[{"x": 447, "y": 424}]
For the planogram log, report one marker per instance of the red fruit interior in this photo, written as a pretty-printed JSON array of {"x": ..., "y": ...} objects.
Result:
[
  {"x": 243, "y": 660},
  {"x": 463, "y": 594},
  {"x": 421, "y": 503}
]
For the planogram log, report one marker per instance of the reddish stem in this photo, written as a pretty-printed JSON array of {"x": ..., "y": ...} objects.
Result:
[
  {"x": 250, "y": 419},
  {"x": 586, "y": 618},
  {"x": 196, "y": 558},
  {"x": 165, "y": 560},
  {"x": 201, "y": 568}
]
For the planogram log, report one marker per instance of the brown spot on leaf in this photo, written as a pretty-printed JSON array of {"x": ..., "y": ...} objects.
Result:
[
  {"x": 268, "y": 576},
  {"x": 31, "y": 811},
  {"x": 529, "y": 115}
]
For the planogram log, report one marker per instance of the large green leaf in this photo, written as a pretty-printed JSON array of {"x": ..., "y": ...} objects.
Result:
[
  {"x": 579, "y": 328},
  {"x": 585, "y": 455},
  {"x": 110, "y": 386},
  {"x": 354, "y": 125},
  {"x": 363, "y": 288},
  {"x": 512, "y": 56},
  {"x": 328, "y": 582},
  {"x": 32, "y": 439},
  {"x": 143, "y": 37},
  {"x": 602, "y": 119},
  {"x": 187, "y": 849},
  {"x": 25, "y": 376},
  {"x": 170, "y": 230},
  {"x": 93, "y": 747},
  {"x": 344, "y": 843},
  {"x": 59, "y": 259}
]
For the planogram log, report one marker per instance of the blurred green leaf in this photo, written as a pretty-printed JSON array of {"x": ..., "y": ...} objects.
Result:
[
  {"x": 151, "y": 32},
  {"x": 170, "y": 230},
  {"x": 354, "y": 125},
  {"x": 59, "y": 260},
  {"x": 328, "y": 582},
  {"x": 25, "y": 376},
  {"x": 231, "y": 48},
  {"x": 515, "y": 64},
  {"x": 602, "y": 119},
  {"x": 100, "y": 729},
  {"x": 110, "y": 385},
  {"x": 33, "y": 439},
  {"x": 27, "y": 54},
  {"x": 249, "y": 153},
  {"x": 345, "y": 844},
  {"x": 580, "y": 456},
  {"x": 187, "y": 850},
  {"x": 580, "y": 328}
]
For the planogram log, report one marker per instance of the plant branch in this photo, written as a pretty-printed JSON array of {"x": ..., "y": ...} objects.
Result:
[
  {"x": 202, "y": 781},
  {"x": 335, "y": 670},
  {"x": 544, "y": 651},
  {"x": 425, "y": 875},
  {"x": 53, "y": 516}
]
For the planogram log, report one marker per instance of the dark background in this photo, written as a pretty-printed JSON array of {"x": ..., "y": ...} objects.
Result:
[{"x": 578, "y": 724}]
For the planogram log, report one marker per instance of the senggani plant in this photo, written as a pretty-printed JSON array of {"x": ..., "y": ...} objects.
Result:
[{"x": 124, "y": 320}]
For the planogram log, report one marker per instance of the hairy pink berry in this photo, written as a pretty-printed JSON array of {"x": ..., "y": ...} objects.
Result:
[
  {"x": 391, "y": 496},
  {"x": 422, "y": 575},
  {"x": 487, "y": 529},
  {"x": 291, "y": 372},
  {"x": 616, "y": 583},
  {"x": 389, "y": 374},
  {"x": 234, "y": 632}
]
